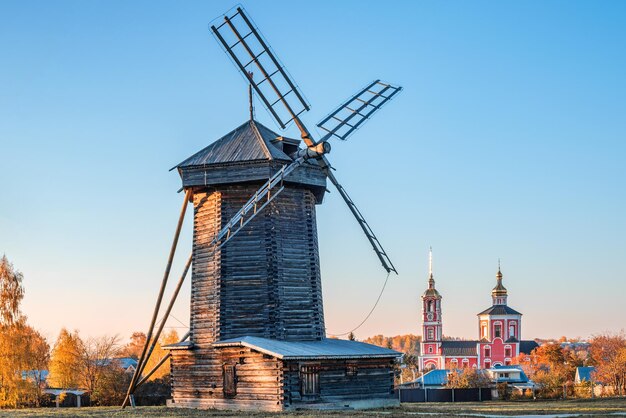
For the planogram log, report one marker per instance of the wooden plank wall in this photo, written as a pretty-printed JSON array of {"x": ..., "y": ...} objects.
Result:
[
  {"x": 374, "y": 380},
  {"x": 255, "y": 172}
]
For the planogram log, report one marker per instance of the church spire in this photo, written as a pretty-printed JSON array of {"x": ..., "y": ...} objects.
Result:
[
  {"x": 499, "y": 293},
  {"x": 431, "y": 279}
]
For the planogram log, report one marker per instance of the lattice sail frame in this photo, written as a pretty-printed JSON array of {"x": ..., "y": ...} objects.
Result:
[
  {"x": 245, "y": 45},
  {"x": 348, "y": 117}
]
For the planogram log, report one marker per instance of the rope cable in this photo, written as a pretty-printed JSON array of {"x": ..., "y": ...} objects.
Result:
[{"x": 370, "y": 312}]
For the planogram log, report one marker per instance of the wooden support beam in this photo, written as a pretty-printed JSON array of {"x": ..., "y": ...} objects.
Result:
[
  {"x": 166, "y": 315},
  {"x": 157, "y": 306}
]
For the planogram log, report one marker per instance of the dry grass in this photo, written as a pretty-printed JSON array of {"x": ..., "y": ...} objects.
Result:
[{"x": 596, "y": 407}]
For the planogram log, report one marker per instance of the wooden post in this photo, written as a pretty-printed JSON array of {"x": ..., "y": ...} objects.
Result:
[
  {"x": 156, "y": 336},
  {"x": 157, "y": 306}
]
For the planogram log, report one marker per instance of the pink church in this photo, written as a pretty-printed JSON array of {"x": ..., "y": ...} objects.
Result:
[{"x": 499, "y": 330}]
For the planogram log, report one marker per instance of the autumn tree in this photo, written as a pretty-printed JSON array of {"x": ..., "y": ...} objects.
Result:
[
  {"x": 552, "y": 367},
  {"x": 135, "y": 346},
  {"x": 11, "y": 294},
  {"x": 466, "y": 378},
  {"x": 608, "y": 353},
  {"x": 65, "y": 361},
  {"x": 23, "y": 351},
  {"x": 170, "y": 337}
]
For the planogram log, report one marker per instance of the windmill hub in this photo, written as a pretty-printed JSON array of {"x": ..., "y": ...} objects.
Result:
[{"x": 315, "y": 151}]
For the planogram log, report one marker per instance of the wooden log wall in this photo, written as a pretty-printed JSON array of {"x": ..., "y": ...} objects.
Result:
[
  {"x": 266, "y": 281},
  {"x": 197, "y": 379}
]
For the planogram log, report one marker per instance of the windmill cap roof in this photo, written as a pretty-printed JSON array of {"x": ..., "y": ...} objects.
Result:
[{"x": 251, "y": 141}]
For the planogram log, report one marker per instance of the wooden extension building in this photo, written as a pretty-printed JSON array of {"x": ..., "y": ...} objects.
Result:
[{"x": 257, "y": 333}]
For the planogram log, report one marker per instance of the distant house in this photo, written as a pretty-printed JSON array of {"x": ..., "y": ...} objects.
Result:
[
  {"x": 128, "y": 364},
  {"x": 585, "y": 374},
  {"x": 438, "y": 378},
  {"x": 35, "y": 375},
  {"x": 509, "y": 374}
]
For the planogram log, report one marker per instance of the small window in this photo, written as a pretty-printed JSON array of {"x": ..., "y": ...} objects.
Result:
[
  {"x": 431, "y": 334},
  {"x": 230, "y": 381},
  {"x": 507, "y": 362},
  {"x": 487, "y": 352},
  {"x": 310, "y": 380},
  {"x": 352, "y": 370},
  {"x": 487, "y": 364},
  {"x": 498, "y": 331},
  {"x": 507, "y": 352},
  {"x": 430, "y": 350},
  {"x": 505, "y": 375}
]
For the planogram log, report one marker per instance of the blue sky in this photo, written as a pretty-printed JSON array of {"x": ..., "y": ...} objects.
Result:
[{"x": 507, "y": 142}]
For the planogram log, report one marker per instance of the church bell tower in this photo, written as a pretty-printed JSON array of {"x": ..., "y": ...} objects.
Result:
[{"x": 431, "y": 320}]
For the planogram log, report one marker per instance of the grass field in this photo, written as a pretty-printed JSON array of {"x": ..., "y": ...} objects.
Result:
[{"x": 580, "y": 407}]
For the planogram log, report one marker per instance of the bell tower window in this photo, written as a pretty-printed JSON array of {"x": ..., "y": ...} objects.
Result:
[{"x": 497, "y": 330}]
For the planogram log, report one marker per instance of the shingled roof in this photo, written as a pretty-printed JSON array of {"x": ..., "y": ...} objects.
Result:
[
  {"x": 499, "y": 310},
  {"x": 250, "y": 141},
  {"x": 459, "y": 348}
]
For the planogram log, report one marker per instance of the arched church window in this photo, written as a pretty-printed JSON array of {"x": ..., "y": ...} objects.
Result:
[
  {"x": 431, "y": 306},
  {"x": 431, "y": 334},
  {"x": 512, "y": 330},
  {"x": 487, "y": 352},
  {"x": 497, "y": 331}
]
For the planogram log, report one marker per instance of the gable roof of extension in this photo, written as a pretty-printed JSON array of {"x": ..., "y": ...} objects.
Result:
[{"x": 327, "y": 348}]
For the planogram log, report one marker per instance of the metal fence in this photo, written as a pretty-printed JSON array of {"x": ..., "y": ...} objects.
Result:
[{"x": 443, "y": 395}]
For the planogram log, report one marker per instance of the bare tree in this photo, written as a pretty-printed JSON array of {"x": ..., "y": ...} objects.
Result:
[{"x": 96, "y": 358}]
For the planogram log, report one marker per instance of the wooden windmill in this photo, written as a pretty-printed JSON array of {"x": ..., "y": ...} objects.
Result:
[{"x": 257, "y": 335}]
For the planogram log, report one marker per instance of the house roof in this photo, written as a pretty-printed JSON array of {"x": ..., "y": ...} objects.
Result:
[
  {"x": 327, "y": 348},
  {"x": 126, "y": 362},
  {"x": 459, "y": 348},
  {"x": 499, "y": 310},
  {"x": 250, "y": 141},
  {"x": 584, "y": 373},
  {"x": 436, "y": 377},
  {"x": 526, "y": 346}
]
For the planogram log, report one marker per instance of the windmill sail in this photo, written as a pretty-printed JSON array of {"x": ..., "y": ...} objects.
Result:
[
  {"x": 349, "y": 116},
  {"x": 249, "y": 51}
]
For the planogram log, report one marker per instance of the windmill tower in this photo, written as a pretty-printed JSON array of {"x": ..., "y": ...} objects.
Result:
[{"x": 257, "y": 335}]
